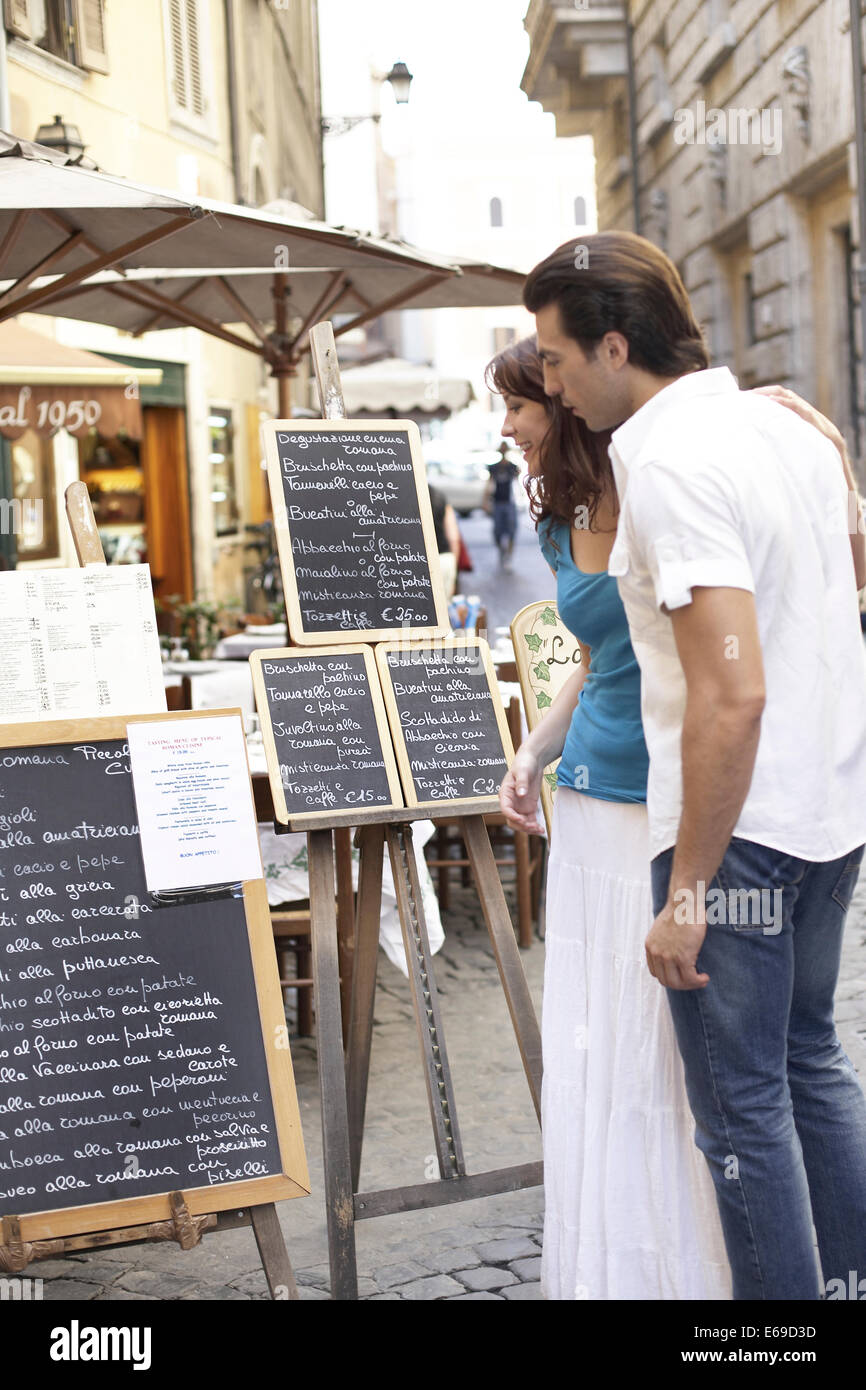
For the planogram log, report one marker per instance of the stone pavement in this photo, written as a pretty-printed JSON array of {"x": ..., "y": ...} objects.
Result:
[{"x": 480, "y": 1250}]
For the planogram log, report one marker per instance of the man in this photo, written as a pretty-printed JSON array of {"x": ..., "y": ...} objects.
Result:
[
  {"x": 499, "y": 501},
  {"x": 736, "y": 572}
]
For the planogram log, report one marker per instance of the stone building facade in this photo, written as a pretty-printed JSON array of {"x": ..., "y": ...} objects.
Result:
[
  {"x": 743, "y": 124},
  {"x": 211, "y": 98}
]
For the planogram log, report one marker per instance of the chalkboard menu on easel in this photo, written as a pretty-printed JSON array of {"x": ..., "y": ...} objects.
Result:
[
  {"x": 450, "y": 732},
  {"x": 139, "y": 1050},
  {"x": 354, "y": 530},
  {"x": 325, "y": 731}
]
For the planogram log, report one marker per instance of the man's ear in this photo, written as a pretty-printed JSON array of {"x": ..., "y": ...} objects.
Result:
[{"x": 614, "y": 350}]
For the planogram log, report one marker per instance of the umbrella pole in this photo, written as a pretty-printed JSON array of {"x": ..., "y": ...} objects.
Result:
[
  {"x": 284, "y": 389},
  {"x": 283, "y": 368}
]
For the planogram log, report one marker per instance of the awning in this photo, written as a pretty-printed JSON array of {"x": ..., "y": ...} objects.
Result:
[
  {"x": 46, "y": 386},
  {"x": 402, "y": 387}
]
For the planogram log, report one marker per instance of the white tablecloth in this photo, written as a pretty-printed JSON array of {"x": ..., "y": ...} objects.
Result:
[
  {"x": 243, "y": 644},
  {"x": 287, "y": 874}
]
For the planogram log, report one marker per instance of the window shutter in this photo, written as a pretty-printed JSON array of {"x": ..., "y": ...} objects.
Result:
[
  {"x": 17, "y": 13},
  {"x": 90, "y": 32},
  {"x": 194, "y": 55},
  {"x": 185, "y": 39},
  {"x": 178, "y": 67}
]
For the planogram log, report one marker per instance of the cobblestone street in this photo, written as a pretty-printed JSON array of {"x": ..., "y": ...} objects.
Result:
[{"x": 480, "y": 1250}]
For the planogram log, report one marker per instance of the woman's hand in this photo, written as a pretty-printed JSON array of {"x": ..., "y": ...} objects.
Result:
[
  {"x": 807, "y": 412},
  {"x": 519, "y": 793}
]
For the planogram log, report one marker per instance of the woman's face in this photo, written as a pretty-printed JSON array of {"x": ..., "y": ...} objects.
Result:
[{"x": 526, "y": 422}]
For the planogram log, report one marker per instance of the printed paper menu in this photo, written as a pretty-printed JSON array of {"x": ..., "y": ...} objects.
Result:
[
  {"x": 77, "y": 643},
  {"x": 194, "y": 802}
]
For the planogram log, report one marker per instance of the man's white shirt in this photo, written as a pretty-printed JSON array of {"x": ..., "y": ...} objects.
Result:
[{"x": 727, "y": 489}]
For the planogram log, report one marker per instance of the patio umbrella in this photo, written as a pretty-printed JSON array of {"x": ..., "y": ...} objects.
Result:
[
  {"x": 218, "y": 263},
  {"x": 292, "y": 300},
  {"x": 393, "y": 387},
  {"x": 61, "y": 224}
]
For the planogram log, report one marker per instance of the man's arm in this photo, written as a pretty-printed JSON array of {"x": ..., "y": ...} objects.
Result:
[{"x": 717, "y": 641}]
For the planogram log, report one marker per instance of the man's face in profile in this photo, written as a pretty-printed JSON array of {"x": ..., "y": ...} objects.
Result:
[{"x": 590, "y": 387}]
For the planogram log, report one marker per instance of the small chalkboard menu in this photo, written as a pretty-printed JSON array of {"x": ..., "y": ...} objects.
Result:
[
  {"x": 354, "y": 530},
  {"x": 450, "y": 731},
  {"x": 326, "y": 735},
  {"x": 142, "y": 1043}
]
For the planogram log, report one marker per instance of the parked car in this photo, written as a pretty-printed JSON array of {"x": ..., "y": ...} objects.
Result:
[{"x": 462, "y": 479}]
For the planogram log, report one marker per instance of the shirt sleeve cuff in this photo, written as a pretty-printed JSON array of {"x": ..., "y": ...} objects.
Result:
[{"x": 674, "y": 578}]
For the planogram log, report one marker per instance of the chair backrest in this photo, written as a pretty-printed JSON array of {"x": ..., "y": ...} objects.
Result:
[{"x": 546, "y": 654}]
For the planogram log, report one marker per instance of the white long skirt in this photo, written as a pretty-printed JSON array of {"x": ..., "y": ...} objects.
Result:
[{"x": 630, "y": 1209}]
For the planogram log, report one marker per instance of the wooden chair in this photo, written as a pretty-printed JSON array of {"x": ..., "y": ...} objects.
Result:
[
  {"x": 291, "y": 928},
  {"x": 179, "y": 696},
  {"x": 545, "y": 655},
  {"x": 290, "y": 923},
  {"x": 526, "y": 857}
]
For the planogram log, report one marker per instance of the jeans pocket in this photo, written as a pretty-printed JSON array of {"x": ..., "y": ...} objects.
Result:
[
  {"x": 751, "y": 882},
  {"x": 844, "y": 890}
]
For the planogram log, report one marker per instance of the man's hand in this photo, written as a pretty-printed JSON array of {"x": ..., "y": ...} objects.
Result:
[
  {"x": 519, "y": 793},
  {"x": 672, "y": 950}
]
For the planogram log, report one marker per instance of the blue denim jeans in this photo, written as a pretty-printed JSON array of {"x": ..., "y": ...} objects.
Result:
[{"x": 779, "y": 1113}]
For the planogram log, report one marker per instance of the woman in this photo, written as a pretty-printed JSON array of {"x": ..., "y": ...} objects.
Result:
[{"x": 630, "y": 1206}]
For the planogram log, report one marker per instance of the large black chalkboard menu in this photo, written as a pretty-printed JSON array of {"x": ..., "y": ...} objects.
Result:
[
  {"x": 325, "y": 730},
  {"x": 354, "y": 530},
  {"x": 140, "y": 1051},
  {"x": 450, "y": 732}
]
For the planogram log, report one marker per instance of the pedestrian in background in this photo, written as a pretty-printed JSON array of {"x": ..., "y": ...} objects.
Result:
[{"x": 499, "y": 502}]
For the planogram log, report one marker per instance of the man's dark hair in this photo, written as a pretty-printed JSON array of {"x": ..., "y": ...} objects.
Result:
[{"x": 619, "y": 282}]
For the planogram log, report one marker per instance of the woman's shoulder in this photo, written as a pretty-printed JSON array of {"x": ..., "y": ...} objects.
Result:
[{"x": 550, "y": 537}]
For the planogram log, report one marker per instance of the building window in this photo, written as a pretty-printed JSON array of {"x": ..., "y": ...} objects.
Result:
[
  {"x": 224, "y": 492},
  {"x": 659, "y": 57},
  {"x": 849, "y": 270},
  {"x": 52, "y": 27},
  {"x": 749, "y": 309},
  {"x": 580, "y": 212},
  {"x": 73, "y": 30},
  {"x": 35, "y": 497},
  {"x": 503, "y": 338},
  {"x": 496, "y": 212}
]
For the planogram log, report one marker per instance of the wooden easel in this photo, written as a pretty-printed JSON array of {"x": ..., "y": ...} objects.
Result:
[
  {"x": 343, "y": 1078},
  {"x": 183, "y": 1227}
]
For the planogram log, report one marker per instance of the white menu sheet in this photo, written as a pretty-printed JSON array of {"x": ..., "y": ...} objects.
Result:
[
  {"x": 78, "y": 642},
  {"x": 194, "y": 801}
]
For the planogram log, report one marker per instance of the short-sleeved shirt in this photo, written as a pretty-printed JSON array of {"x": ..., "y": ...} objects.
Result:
[
  {"x": 605, "y": 754},
  {"x": 727, "y": 489},
  {"x": 502, "y": 475}
]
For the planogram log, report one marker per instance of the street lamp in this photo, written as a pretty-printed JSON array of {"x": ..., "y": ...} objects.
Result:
[
  {"x": 401, "y": 80},
  {"x": 62, "y": 136}
]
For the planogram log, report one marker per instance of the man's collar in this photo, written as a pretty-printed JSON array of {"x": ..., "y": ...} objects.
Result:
[{"x": 712, "y": 381}]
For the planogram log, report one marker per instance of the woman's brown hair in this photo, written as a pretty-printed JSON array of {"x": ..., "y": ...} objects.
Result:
[{"x": 574, "y": 468}]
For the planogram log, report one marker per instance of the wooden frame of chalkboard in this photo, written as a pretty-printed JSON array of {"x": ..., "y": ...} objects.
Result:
[
  {"x": 282, "y": 815},
  {"x": 486, "y": 801},
  {"x": 293, "y": 1180},
  {"x": 345, "y": 629}
]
